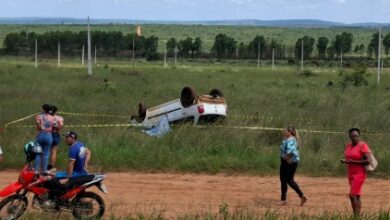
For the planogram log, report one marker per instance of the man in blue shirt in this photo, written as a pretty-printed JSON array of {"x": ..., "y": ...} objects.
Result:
[{"x": 79, "y": 156}]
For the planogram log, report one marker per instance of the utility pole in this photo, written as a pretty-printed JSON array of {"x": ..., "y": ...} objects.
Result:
[
  {"x": 165, "y": 55},
  {"x": 36, "y": 53},
  {"x": 175, "y": 55},
  {"x": 379, "y": 54},
  {"x": 273, "y": 59},
  {"x": 302, "y": 56},
  {"x": 59, "y": 55},
  {"x": 89, "y": 51},
  {"x": 258, "y": 56},
  {"x": 133, "y": 48},
  {"x": 95, "y": 55},
  {"x": 82, "y": 56}
]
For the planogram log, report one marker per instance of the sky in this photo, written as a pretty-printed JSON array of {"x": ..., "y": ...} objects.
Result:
[{"x": 346, "y": 11}]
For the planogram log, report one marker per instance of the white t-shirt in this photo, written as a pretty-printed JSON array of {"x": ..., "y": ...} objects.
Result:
[{"x": 1, "y": 152}]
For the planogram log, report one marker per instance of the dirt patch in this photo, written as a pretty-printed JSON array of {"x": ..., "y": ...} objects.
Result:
[{"x": 179, "y": 194}]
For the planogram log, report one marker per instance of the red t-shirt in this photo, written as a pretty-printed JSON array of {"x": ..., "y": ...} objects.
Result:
[{"x": 356, "y": 153}]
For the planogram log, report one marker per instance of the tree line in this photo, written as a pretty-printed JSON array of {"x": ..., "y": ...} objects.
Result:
[{"x": 115, "y": 43}]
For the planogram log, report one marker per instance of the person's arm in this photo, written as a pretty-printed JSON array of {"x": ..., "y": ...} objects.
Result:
[
  {"x": 60, "y": 123},
  {"x": 87, "y": 158},
  {"x": 365, "y": 161},
  {"x": 69, "y": 169},
  {"x": 1, "y": 155},
  {"x": 38, "y": 122},
  {"x": 291, "y": 146}
]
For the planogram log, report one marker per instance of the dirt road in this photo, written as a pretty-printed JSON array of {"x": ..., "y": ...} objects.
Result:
[{"x": 178, "y": 194}]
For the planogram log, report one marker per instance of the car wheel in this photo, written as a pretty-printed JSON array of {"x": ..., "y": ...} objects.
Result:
[
  {"x": 187, "y": 96},
  {"x": 215, "y": 93}
]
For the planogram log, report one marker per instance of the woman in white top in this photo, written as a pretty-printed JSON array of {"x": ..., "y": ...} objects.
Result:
[{"x": 55, "y": 132}]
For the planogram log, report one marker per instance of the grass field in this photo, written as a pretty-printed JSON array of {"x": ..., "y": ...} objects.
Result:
[
  {"x": 226, "y": 214},
  {"x": 207, "y": 33},
  {"x": 275, "y": 99}
]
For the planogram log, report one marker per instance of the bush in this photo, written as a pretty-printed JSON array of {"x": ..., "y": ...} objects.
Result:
[
  {"x": 357, "y": 78},
  {"x": 150, "y": 56},
  {"x": 307, "y": 73}
]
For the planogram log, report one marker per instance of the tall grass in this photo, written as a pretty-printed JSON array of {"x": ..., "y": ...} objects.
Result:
[{"x": 275, "y": 99}]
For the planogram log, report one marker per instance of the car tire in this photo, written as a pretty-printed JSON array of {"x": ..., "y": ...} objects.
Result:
[
  {"x": 187, "y": 96},
  {"x": 215, "y": 93},
  {"x": 141, "y": 110}
]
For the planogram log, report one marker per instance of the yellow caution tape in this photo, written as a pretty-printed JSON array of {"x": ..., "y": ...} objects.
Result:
[
  {"x": 203, "y": 126},
  {"x": 84, "y": 126},
  {"x": 280, "y": 129},
  {"x": 140, "y": 125},
  {"x": 101, "y": 115},
  {"x": 21, "y": 119}
]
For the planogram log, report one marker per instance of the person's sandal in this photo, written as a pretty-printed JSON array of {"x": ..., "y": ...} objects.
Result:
[
  {"x": 303, "y": 200},
  {"x": 282, "y": 203}
]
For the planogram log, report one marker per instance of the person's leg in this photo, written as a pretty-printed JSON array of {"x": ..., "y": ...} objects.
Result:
[
  {"x": 359, "y": 202},
  {"x": 37, "y": 163},
  {"x": 53, "y": 156},
  {"x": 290, "y": 178},
  {"x": 53, "y": 152},
  {"x": 283, "y": 180},
  {"x": 46, "y": 151},
  {"x": 356, "y": 183},
  {"x": 294, "y": 185},
  {"x": 355, "y": 205}
]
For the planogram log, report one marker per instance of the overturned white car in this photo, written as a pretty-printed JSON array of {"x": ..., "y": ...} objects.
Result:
[{"x": 190, "y": 107}]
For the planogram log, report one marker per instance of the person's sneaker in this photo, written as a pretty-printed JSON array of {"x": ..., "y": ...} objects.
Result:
[{"x": 303, "y": 199}]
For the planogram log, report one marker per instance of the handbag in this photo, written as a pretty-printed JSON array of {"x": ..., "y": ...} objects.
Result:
[{"x": 373, "y": 161}]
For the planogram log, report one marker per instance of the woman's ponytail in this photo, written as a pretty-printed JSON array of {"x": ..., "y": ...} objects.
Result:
[{"x": 294, "y": 132}]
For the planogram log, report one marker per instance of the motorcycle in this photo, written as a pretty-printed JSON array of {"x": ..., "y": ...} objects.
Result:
[{"x": 51, "y": 196}]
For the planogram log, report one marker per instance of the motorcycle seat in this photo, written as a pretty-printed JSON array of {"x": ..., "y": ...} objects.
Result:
[{"x": 79, "y": 181}]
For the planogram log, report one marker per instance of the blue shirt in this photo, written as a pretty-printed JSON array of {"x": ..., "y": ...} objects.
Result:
[
  {"x": 290, "y": 146},
  {"x": 78, "y": 152}
]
